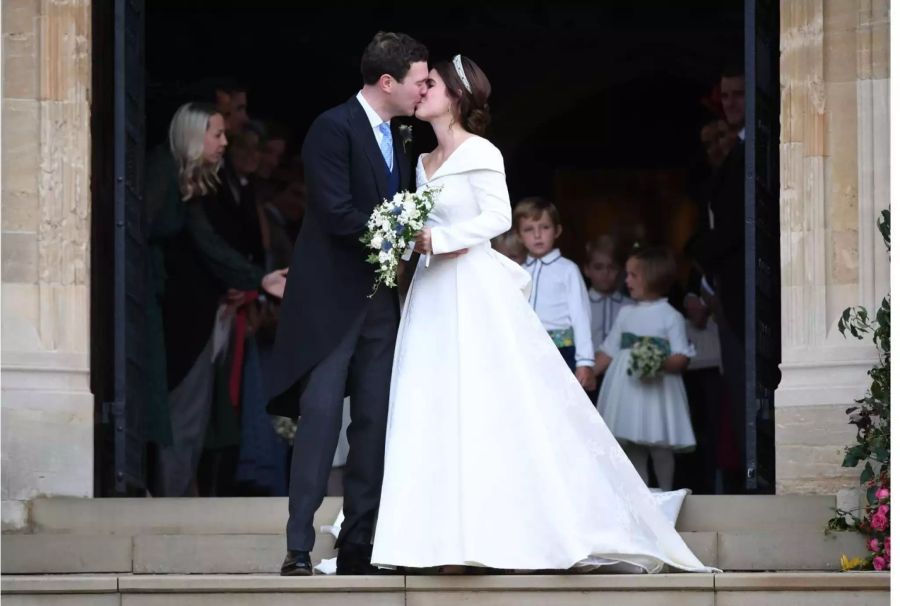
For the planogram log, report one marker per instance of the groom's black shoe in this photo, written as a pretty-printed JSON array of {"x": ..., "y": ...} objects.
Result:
[
  {"x": 356, "y": 558},
  {"x": 296, "y": 564}
]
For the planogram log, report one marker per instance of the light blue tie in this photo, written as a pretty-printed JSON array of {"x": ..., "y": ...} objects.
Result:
[{"x": 387, "y": 145}]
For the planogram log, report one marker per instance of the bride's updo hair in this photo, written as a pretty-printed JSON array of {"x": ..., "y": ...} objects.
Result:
[{"x": 474, "y": 113}]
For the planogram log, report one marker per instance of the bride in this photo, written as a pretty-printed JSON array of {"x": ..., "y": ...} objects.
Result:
[{"x": 495, "y": 456}]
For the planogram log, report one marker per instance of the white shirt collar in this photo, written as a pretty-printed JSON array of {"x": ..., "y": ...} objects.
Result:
[
  {"x": 547, "y": 259},
  {"x": 742, "y": 133},
  {"x": 597, "y": 296},
  {"x": 374, "y": 119}
]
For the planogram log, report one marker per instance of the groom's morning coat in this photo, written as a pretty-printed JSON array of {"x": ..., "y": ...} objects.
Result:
[{"x": 329, "y": 279}]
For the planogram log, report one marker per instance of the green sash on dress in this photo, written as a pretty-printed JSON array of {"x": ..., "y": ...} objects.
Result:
[{"x": 629, "y": 339}]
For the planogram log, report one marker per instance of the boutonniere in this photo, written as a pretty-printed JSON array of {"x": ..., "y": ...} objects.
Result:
[{"x": 406, "y": 135}]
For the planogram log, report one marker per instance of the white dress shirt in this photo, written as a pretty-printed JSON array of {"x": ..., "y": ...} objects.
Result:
[
  {"x": 374, "y": 119},
  {"x": 604, "y": 309},
  {"x": 560, "y": 299}
]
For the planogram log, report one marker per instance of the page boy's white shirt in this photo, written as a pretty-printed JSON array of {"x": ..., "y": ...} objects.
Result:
[
  {"x": 560, "y": 298},
  {"x": 604, "y": 309}
]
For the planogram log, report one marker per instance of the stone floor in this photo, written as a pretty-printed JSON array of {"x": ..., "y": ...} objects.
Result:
[{"x": 726, "y": 589}]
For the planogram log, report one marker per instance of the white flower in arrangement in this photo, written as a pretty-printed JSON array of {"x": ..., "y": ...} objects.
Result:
[
  {"x": 391, "y": 229},
  {"x": 647, "y": 357}
]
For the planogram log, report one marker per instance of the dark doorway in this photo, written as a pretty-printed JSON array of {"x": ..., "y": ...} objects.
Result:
[{"x": 597, "y": 106}]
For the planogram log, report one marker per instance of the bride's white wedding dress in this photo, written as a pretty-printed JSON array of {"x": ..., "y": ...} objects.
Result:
[{"x": 495, "y": 456}]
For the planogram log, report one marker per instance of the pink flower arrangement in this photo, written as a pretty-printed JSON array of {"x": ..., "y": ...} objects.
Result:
[
  {"x": 874, "y": 521},
  {"x": 877, "y": 524}
]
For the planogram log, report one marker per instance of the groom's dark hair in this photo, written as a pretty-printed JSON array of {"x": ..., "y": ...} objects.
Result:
[{"x": 390, "y": 53}]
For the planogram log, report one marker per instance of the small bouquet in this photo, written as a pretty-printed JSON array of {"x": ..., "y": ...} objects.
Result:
[
  {"x": 285, "y": 428},
  {"x": 391, "y": 230},
  {"x": 647, "y": 357}
]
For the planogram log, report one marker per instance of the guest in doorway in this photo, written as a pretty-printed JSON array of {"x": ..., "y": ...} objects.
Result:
[
  {"x": 558, "y": 293},
  {"x": 509, "y": 245},
  {"x": 604, "y": 272},
  {"x": 186, "y": 256},
  {"x": 648, "y": 414}
]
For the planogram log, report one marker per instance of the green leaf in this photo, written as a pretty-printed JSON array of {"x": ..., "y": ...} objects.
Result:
[
  {"x": 881, "y": 454},
  {"x": 838, "y": 523},
  {"x": 867, "y": 474},
  {"x": 850, "y": 460},
  {"x": 884, "y": 226},
  {"x": 870, "y": 494}
]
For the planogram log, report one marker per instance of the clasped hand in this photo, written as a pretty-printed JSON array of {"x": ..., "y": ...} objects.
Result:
[
  {"x": 423, "y": 241},
  {"x": 423, "y": 245},
  {"x": 586, "y": 377}
]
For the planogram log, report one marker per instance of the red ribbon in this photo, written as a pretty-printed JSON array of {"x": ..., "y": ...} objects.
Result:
[{"x": 237, "y": 361}]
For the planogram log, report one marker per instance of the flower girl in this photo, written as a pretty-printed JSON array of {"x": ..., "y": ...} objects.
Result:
[{"x": 643, "y": 400}]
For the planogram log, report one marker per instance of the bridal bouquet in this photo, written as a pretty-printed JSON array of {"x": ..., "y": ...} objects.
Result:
[
  {"x": 646, "y": 359},
  {"x": 391, "y": 229}
]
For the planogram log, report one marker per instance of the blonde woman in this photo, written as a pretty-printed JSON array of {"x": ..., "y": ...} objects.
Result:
[{"x": 191, "y": 269}]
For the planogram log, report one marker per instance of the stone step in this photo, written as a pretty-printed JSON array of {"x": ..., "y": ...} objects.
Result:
[
  {"x": 246, "y": 535},
  {"x": 755, "y": 512},
  {"x": 727, "y": 589},
  {"x": 733, "y": 550},
  {"x": 269, "y": 515}
]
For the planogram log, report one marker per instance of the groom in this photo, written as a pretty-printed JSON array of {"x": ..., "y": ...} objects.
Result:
[{"x": 333, "y": 340}]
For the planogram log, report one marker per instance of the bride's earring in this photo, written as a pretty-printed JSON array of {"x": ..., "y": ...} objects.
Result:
[{"x": 452, "y": 118}]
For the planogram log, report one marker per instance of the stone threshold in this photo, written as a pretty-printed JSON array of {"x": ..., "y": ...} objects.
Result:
[{"x": 199, "y": 584}]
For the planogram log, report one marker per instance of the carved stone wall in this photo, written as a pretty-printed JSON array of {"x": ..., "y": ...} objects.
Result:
[
  {"x": 47, "y": 408},
  {"x": 834, "y": 182}
]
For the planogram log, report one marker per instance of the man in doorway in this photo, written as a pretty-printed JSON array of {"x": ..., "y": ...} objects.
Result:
[
  {"x": 273, "y": 149},
  {"x": 720, "y": 252},
  {"x": 332, "y": 339},
  {"x": 231, "y": 101}
]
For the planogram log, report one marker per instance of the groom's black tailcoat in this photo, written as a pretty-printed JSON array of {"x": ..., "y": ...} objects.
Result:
[
  {"x": 329, "y": 279},
  {"x": 332, "y": 339}
]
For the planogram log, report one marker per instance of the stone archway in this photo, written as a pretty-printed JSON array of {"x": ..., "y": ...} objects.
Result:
[{"x": 834, "y": 165}]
